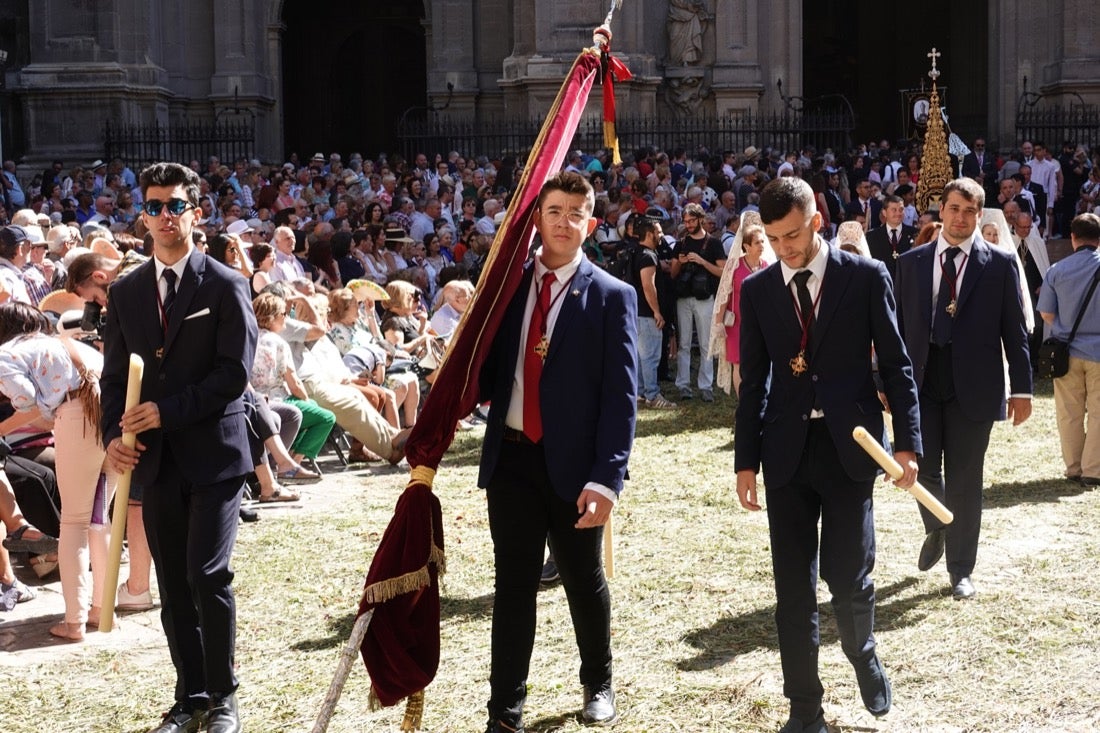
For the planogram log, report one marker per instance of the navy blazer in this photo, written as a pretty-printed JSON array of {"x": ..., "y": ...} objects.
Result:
[
  {"x": 856, "y": 313},
  {"x": 197, "y": 381},
  {"x": 878, "y": 241},
  {"x": 589, "y": 383},
  {"x": 990, "y": 318}
]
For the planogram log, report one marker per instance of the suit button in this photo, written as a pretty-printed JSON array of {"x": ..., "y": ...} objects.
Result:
[
  {"x": 805, "y": 417},
  {"x": 162, "y": 377},
  {"x": 814, "y": 378}
]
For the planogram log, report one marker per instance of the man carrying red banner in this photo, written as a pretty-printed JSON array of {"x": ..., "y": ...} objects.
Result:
[{"x": 562, "y": 379}]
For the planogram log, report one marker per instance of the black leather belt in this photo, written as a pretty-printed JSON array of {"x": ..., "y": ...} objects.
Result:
[{"x": 516, "y": 436}]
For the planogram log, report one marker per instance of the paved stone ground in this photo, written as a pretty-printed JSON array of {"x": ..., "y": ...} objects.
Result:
[{"x": 24, "y": 631}]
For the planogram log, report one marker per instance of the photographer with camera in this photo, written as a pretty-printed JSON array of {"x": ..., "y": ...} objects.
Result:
[{"x": 696, "y": 267}]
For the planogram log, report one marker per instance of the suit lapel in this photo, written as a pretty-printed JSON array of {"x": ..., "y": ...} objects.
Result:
[
  {"x": 979, "y": 258},
  {"x": 149, "y": 317},
  {"x": 837, "y": 277},
  {"x": 926, "y": 262},
  {"x": 783, "y": 302},
  {"x": 189, "y": 285},
  {"x": 571, "y": 302}
]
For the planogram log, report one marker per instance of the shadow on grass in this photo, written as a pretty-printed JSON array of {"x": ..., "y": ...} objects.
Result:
[
  {"x": 458, "y": 608},
  {"x": 729, "y": 638},
  {"x": 1038, "y": 491},
  {"x": 340, "y": 631},
  {"x": 551, "y": 724}
]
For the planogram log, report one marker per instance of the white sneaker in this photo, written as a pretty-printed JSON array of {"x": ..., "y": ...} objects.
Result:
[{"x": 128, "y": 602}]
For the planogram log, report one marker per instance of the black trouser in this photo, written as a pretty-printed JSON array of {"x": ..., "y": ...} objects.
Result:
[
  {"x": 191, "y": 531},
  {"x": 821, "y": 488},
  {"x": 952, "y": 464},
  {"x": 523, "y": 512}
]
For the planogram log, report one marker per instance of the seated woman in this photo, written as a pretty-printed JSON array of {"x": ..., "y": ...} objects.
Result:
[
  {"x": 274, "y": 377},
  {"x": 402, "y": 390},
  {"x": 410, "y": 317}
]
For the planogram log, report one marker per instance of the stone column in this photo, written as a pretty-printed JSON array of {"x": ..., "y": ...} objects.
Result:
[
  {"x": 89, "y": 63},
  {"x": 738, "y": 81},
  {"x": 450, "y": 32},
  {"x": 1075, "y": 64}
]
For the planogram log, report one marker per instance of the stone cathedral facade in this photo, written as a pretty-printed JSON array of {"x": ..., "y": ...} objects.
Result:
[{"x": 323, "y": 74}]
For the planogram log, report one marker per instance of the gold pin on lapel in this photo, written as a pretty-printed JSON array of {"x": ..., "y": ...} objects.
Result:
[
  {"x": 159, "y": 354},
  {"x": 576, "y": 293}
]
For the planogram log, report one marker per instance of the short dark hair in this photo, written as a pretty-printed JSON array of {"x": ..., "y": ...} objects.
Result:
[
  {"x": 643, "y": 225},
  {"x": 968, "y": 188},
  {"x": 82, "y": 267},
  {"x": 891, "y": 199},
  {"x": 259, "y": 252},
  {"x": 568, "y": 183},
  {"x": 1086, "y": 227},
  {"x": 784, "y": 194},
  {"x": 17, "y": 319},
  {"x": 171, "y": 175}
]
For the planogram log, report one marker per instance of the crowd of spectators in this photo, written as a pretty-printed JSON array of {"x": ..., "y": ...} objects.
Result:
[{"x": 362, "y": 268}]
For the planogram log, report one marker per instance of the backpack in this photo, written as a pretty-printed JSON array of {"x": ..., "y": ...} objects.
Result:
[{"x": 622, "y": 267}]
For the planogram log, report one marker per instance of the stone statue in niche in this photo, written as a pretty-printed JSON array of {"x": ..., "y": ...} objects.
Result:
[
  {"x": 685, "y": 95},
  {"x": 686, "y": 19}
]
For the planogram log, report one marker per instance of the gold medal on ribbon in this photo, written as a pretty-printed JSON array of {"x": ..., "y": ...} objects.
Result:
[
  {"x": 952, "y": 308},
  {"x": 159, "y": 354},
  {"x": 896, "y": 255},
  {"x": 542, "y": 348},
  {"x": 798, "y": 364}
]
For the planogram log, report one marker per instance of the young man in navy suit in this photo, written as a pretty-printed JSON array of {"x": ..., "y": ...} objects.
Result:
[
  {"x": 562, "y": 378},
  {"x": 893, "y": 239},
  {"x": 190, "y": 319},
  {"x": 958, "y": 306},
  {"x": 808, "y": 325}
]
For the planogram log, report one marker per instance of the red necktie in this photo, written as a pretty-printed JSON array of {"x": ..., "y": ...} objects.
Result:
[{"x": 533, "y": 356}]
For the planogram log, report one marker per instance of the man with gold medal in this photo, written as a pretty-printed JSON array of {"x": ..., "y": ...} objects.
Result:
[{"x": 808, "y": 327}]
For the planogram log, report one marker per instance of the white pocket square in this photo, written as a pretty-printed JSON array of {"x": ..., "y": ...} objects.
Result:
[{"x": 198, "y": 314}]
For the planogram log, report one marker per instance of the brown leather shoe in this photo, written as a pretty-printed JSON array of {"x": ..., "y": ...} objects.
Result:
[{"x": 398, "y": 445}]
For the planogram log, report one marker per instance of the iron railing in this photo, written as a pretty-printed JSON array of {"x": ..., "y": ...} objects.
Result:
[
  {"x": 140, "y": 145},
  {"x": 786, "y": 130}
]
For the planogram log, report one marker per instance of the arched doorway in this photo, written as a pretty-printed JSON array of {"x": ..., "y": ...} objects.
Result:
[
  {"x": 869, "y": 50},
  {"x": 349, "y": 71}
]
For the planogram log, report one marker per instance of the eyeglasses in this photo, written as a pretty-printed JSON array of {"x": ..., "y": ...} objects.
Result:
[
  {"x": 176, "y": 207},
  {"x": 555, "y": 217}
]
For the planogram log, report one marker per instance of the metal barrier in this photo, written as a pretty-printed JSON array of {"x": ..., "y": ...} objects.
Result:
[{"x": 139, "y": 145}]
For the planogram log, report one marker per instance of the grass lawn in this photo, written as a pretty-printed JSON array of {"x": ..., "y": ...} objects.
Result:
[{"x": 694, "y": 637}]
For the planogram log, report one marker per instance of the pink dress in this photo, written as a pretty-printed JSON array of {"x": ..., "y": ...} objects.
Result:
[{"x": 733, "y": 333}]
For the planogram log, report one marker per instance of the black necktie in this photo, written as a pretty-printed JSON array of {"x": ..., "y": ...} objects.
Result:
[
  {"x": 941, "y": 324},
  {"x": 894, "y": 238},
  {"x": 169, "y": 276},
  {"x": 1022, "y": 249},
  {"x": 805, "y": 302}
]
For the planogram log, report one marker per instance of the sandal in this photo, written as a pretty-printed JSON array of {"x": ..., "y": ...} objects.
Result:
[
  {"x": 15, "y": 592},
  {"x": 280, "y": 493},
  {"x": 16, "y": 542},
  {"x": 44, "y": 565},
  {"x": 67, "y": 631},
  {"x": 299, "y": 475}
]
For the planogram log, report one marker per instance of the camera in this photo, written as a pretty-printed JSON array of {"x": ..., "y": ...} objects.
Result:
[{"x": 92, "y": 319}]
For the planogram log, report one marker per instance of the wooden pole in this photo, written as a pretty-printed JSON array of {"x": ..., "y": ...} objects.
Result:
[
  {"x": 122, "y": 502},
  {"x": 895, "y": 470},
  {"x": 348, "y": 656},
  {"x": 609, "y": 549}
]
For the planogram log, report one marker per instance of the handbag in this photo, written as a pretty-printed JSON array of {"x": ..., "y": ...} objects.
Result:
[{"x": 1054, "y": 353}]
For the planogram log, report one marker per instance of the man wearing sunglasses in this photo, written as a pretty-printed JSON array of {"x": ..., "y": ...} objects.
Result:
[{"x": 190, "y": 319}]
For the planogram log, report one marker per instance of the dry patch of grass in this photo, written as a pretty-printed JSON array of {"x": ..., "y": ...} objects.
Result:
[{"x": 694, "y": 635}]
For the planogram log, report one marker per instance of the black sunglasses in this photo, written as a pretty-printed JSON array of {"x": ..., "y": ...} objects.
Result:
[{"x": 175, "y": 207}]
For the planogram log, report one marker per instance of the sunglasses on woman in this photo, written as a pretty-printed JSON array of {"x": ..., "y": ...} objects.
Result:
[{"x": 175, "y": 207}]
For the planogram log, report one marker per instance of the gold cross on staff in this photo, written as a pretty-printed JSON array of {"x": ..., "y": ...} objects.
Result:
[{"x": 934, "y": 73}]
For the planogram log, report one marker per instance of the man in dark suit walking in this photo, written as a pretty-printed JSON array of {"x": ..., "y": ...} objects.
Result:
[
  {"x": 959, "y": 305},
  {"x": 808, "y": 324},
  {"x": 190, "y": 319},
  {"x": 893, "y": 239},
  {"x": 562, "y": 378},
  {"x": 982, "y": 167}
]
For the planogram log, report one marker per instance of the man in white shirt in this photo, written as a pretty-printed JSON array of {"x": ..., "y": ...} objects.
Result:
[
  {"x": 1047, "y": 173},
  {"x": 287, "y": 267}
]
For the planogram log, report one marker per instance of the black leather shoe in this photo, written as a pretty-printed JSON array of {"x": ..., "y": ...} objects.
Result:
[
  {"x": 222, "y": 715},
  {"x": 932, "y": 549},
  {"x": 182, "y": 718},
  {"x": 797, "y": 725},
  {"x": 550, "y": 573},
  {"x": 962, "y": 588},
  {"x": 599, "y": 707},
  {"x": 874, "y": 687}
]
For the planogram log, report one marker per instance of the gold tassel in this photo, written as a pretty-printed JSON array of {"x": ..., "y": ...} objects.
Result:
[
  {"x": 611, "y": 140},
  {"x": 414, "y": 712}
]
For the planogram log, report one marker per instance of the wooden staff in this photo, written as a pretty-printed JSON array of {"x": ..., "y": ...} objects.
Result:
[
  {"x": 608, "y": 550},
  {"x": 348, "y": 655},
  {"x": 122, "y": 502},
  {"x": 895, "y": 470}
]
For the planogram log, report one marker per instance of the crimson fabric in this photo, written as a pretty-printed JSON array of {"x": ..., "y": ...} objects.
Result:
[
  {"x": 532, "y": 361},
  {"x": 401, "y": 649}
]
